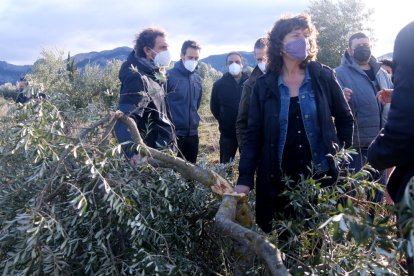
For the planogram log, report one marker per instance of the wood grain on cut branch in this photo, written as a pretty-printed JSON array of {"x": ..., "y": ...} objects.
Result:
[
  {"x": 225, "y": 219},
  {"x": 209, "y": 178}
]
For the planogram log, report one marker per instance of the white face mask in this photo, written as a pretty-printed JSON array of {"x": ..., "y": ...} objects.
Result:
[
  {"x": 262, "y": 67},
  {"x": 235, "y": 69},
  {"x": 162, "y": 59},
  {"x": 190, "y": 65}
]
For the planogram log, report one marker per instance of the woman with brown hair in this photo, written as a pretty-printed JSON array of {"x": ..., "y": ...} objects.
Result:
[{"x": 298, "y": 118}]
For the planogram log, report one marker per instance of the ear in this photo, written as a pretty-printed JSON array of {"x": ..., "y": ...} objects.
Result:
[
  {"x": 349, "y": 51},
  {"x": 182, "y": 57},
  {"x": 148, "y": 52}
]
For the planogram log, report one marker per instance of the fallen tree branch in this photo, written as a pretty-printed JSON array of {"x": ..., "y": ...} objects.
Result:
[
  {"x": 228, "y": 212},
  {"x": 225, "y": 219},
  {"x": 209, "y": 178}
]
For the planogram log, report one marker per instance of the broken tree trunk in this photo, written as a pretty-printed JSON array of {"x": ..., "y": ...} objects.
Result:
[
  {"x": 225, "y": 219},
  {"x": 229, "y": 211}
]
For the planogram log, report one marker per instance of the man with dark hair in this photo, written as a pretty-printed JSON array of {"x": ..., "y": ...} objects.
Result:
[
  {"x": 224, "y": 104},
  {"x": 387, "y": 65},
  {"x": 260, "y": 48},
  {"x": 142, "y": 94},
  {"x": 184, "y": 98},
  {"x": 362, "y": 78}
]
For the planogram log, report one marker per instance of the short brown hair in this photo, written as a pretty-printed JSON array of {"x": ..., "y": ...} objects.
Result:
[
  {"x": 146, "y": 38},
  {"x": 280, "y": 29},
  {"x": 261, "y": 43},
  {"x": 190, "y": 44}
]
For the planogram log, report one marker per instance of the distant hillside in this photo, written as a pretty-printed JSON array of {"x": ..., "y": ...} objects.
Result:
[
  {"x": 12, "y": 73},
  {"x": 218, "y": 62},
  {"x": 101, "y": 58}
]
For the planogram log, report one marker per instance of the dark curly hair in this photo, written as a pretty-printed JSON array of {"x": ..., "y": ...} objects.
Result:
[
  {"x": 280, "y": 29},
  {"x": 146, "y": 38}
]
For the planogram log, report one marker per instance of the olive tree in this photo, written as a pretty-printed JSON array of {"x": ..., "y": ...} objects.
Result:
[{"x": 336, "y": 21}]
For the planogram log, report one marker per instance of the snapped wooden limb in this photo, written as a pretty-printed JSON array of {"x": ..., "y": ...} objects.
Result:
[
  {"x": 209, "y": 178},
  {"x": 225, "y": 219}
]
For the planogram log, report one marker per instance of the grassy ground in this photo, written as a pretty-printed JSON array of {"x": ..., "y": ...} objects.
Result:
[{"x": 209, "y": 148}]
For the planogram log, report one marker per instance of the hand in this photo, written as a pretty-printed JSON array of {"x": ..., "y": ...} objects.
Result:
[
  {"x": 242, "y": 189},
  {"x": 136, "y": 160},
  {"x": 347, "y": 93},
  {"x": 385, "y": 95}
]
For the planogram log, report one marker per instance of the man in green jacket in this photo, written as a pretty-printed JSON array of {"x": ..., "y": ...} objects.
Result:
[{"x": 260, "y": 48}]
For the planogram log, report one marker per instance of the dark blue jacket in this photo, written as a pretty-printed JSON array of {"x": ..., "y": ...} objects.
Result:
[
  {"x": 262, "y": 136},
  {"x": 394, "y": 146},
  {"x": 184, "y": 91},
  {"x": 142, "y": 97},
  {"x": 224, "y": 103}
]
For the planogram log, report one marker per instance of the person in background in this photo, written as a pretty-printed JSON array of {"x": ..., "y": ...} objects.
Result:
[
  {"x": 24, "y": 91},
  {"x": 260, "y": 48},
  {"x": 184, "y": 88},
  {"x": 142, "y": 95},
  {"x": 361, "y": 78},
  {"x": 394, "y": 145},
  {"x": 387, "y": 65},
  {"x": 298, "y": 118},
  {"x": 224, "y": 104}
]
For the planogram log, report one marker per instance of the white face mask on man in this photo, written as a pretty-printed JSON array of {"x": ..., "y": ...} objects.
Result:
[
  {"x": 162, "y": 59},
  {"x": 190, "y": 65},
  {"x": 262, "y": 67},
  {"x": 235, "y": 69}
]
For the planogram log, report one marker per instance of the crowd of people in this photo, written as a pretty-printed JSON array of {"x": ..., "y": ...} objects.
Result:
[{"x": 291, "y": 114}]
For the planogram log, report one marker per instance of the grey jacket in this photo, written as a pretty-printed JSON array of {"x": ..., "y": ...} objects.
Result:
[{"x": 370, "y": 115}]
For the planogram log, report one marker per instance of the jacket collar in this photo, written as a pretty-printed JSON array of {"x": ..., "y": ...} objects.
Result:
[
  {"x": 230, "y": 77},
  {"x": 179, "y": 65},
  {"x": 349, "y": 61},
  {"x": 143, "y": 64}
]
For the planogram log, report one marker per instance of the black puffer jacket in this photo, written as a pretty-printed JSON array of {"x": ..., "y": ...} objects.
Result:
[{"x": 184, "y": 98}]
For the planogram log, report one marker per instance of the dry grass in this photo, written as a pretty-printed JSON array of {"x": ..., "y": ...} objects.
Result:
[{"x": 209, "y": 148}]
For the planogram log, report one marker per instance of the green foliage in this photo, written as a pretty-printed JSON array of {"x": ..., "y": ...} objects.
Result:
[
  {"x": 209, "y": 76},
  {"x": 8, "y": 91},
  {"x": 73, "y": 206},
  {"x": 68, "y": 87},
  {"x": 338, "y": 231},
  {"x": 336, "y": 21}
]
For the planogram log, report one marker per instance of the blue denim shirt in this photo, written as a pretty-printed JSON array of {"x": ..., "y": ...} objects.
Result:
[{"x": 310, "y": 121}]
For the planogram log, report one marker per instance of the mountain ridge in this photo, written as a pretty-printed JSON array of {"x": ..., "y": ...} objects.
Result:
[{"x": 12, "y": 73}]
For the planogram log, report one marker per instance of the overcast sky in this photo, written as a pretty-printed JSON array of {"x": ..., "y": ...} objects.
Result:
[{"x": 220, "y": 26}]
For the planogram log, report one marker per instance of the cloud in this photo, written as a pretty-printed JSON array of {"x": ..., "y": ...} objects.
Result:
[
  {"x": 79, "y": 26},
  {"x": 82, "y": 26}
]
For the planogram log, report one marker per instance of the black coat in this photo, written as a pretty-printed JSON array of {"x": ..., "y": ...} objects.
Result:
[
  {"x": 142, "y": 96},
  {"x": 260, "y": 150},
  {"x": 224, "y": 103},
  {"x": 395, "y": 144}
]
